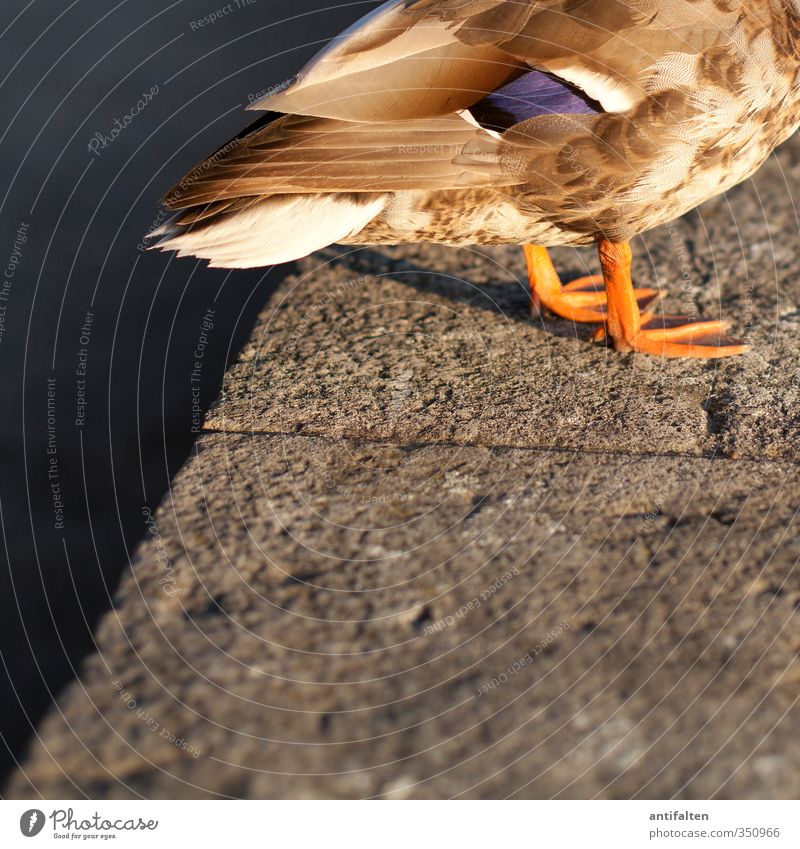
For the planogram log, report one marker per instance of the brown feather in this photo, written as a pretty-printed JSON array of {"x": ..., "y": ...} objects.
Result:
[{"x": 299, "y": 154}]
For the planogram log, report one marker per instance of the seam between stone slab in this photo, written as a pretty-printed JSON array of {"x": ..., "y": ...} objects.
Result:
[{"x": 542, "y": 449}]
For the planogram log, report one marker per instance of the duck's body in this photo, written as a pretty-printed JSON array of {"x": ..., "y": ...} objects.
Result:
[{"x": 531, "y": 122}]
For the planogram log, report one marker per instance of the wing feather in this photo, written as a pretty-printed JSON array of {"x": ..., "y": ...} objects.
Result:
[
  {"x": 298, "y": 154},
  {"x": 394, "y": 63}
]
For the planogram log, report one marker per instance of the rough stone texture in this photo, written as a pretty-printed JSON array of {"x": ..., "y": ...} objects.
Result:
[{"x": 428, "y": 547}]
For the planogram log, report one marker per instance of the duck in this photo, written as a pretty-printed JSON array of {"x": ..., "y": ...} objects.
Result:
[{"x": 538, "y": 123}]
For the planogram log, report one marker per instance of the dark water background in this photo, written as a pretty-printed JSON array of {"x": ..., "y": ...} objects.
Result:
[{"x": 98, "y": 338}]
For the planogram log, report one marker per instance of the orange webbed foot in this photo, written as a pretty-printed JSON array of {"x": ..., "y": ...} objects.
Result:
[
  {"x": 581, "y": 300},
  {"x": 662, "y": 336}
]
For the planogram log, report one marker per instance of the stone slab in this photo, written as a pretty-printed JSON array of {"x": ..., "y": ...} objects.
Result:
[{"x": 328, "y": 617}]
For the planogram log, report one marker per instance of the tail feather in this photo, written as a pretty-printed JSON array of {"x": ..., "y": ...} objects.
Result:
[{"x": 267, "y": 231}]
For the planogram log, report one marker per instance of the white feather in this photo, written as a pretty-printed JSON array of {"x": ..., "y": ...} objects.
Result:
[
  {"x": 470, "y": 119},
  {"x": 613, "y": 93},
  {"x": 276, "y": 230}
]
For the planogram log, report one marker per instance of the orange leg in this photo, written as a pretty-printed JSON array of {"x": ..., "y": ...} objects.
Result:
[
  {"x": 667, "y": 336},
  {"x": 581, "y": 300}
]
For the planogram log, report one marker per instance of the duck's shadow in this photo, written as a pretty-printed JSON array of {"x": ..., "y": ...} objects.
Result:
[{"x": 509, "y": 298}]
